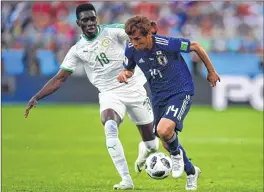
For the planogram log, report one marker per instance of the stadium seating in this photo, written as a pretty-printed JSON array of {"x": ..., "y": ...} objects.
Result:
[
  {"x": 235, "y": 64},
  {"x": 225, "y": 63},
  {"x": 13, "y": 61},
  {"x": 233, "y": 45},
  {"x": 47, "y": 61}
]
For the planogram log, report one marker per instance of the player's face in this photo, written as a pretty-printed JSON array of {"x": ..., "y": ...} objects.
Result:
[
  {"x": 88, "y": 23},
  {"x": 139, "y": 41}
]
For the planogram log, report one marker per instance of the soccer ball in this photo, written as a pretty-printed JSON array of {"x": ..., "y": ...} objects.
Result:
[{"x": 158, "y": 165}]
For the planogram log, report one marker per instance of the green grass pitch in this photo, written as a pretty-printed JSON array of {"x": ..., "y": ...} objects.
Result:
[{"x": 62, "y": 148}]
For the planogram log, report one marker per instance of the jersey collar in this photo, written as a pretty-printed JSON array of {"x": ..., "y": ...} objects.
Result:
[{"x": 99, "y": 32}]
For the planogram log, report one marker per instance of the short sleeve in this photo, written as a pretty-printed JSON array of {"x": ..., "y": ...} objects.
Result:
[
  {"x": 179, "y": 45},
  {"x": 118, "y": 30},
  {"x": 70, "y": 61},
  {"x": 122, "y": 35},
  {"x": 129, "y": 62}
]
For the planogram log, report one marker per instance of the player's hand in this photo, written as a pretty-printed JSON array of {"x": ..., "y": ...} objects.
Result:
[
  {"x": 124, "y": 75},
  {"x": 213, "y": 77},
  {"x": 32, "y": 103}
]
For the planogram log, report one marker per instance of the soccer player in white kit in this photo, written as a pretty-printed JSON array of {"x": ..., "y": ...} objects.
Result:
[{"x": 100, "y": 51}]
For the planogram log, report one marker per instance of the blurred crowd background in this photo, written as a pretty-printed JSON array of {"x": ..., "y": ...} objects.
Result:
[{"x": 219, "y": 26}]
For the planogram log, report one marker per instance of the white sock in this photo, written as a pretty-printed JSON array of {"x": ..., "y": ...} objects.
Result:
[
  {"x": 148, "y": 148},
  {"x": 151, "y": 147},
  {"x": 116, "y": 150}
]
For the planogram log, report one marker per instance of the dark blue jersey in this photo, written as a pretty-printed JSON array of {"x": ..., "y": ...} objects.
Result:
[{"x": 163, "y": 66}]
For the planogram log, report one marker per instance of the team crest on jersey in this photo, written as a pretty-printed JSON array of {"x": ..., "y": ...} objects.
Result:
[
  {"x": 106, "y": 42},
  {"x": 125, "y": 61},
  {"x": 161, "y": 58}
]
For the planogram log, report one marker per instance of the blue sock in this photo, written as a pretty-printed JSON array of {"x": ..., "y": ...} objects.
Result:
[
  {"x": 188, "y": 166},
  {"x": 173, "y": 145}
]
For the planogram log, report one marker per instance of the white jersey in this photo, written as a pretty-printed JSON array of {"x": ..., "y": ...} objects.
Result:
[{"x": 102, "y": 59}]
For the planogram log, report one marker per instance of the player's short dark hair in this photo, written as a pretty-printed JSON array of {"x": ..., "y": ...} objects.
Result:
[
  {"x": 138, "y": 22},
  {"x": 84, "y": 7}
]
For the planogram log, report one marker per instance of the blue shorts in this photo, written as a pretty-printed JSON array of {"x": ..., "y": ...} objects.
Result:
[{"x": 176, "y": 109}]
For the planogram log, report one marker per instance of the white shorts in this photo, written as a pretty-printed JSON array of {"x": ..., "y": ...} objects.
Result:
[{"x": 136, "y": 103}]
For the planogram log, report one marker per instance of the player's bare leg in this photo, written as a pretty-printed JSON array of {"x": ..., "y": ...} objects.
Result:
[
  {"x": 165, "y": 130},
  {"x": 111, "y": 121},
  {"x": 148, "y": 145}
]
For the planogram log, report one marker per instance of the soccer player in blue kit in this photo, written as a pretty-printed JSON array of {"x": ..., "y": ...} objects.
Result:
[{"x": 171, "y": 85}]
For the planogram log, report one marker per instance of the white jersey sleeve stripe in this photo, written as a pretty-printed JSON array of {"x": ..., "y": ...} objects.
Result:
[
  {"x": 162, "y": 43},
  {"x": 161, "y": 39},
  {"x": 65, "y": 69}
]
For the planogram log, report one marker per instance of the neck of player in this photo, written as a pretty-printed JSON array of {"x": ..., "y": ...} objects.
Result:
[
  {"x": 91, "y": 36},
  {"x": 150, "y": 43}
]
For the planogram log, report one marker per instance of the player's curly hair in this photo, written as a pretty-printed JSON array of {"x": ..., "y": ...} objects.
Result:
[
  {"x": 84, "y": 7},
  {"x": 138, "y": 22}
]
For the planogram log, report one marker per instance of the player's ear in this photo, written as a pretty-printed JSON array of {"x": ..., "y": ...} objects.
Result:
[
  {"x": 78, "y": 23},
  {"x": 154, "y": 27}
]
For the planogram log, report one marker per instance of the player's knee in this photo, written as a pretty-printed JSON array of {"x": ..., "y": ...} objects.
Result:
[
  {"x": 152, "y": 145},
  {"x": 111, "y": 129},
  {"x": 163, "y": 132},
  {"x": 105, "y": 119},
  {"x": 110, "y": 114}
]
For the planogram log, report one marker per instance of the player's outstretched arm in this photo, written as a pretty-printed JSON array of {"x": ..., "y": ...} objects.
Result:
[
  {"x": 51, "y": 86},
  {"x": 212, "y": 76},
  {"x": 124, "y": 75}
]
